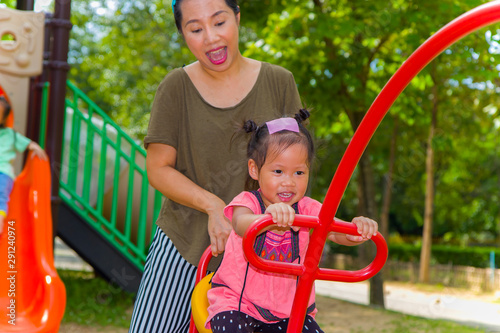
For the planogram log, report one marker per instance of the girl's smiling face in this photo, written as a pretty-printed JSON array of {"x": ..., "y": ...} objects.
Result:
[
  {"x": 210, "y": 29},
  {"x": 284, "y": 175}
]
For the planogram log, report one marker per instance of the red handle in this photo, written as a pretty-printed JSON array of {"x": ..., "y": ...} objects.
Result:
[
  {"x": 321, "y": 273},
  {"x": 360, "y": 275}
]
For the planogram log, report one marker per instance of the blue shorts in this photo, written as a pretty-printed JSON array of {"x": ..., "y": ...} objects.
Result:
[{"x": 6, "y": 184}]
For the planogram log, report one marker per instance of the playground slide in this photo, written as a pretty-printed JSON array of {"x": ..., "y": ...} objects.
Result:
[{"x": 32, "y": 296}]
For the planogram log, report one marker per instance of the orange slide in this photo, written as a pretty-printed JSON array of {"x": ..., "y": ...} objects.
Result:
[{"x": 32, "y": 296}]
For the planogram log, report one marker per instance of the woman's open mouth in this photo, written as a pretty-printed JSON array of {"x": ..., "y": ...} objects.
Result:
[{"x": 217, "y": 56}]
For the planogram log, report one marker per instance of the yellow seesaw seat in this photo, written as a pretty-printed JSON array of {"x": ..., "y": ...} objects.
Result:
[{"x": 199, "y": 303}]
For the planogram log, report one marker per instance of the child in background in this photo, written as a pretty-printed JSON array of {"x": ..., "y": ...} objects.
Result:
[
  {"x": 10, "y": 143},
  {"x": 246, "y": 299}
]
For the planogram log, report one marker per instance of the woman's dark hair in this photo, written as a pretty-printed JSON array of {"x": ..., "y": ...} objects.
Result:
[
  {"x": 7, "y": 108},
  {"x": 233, "y": 4},
  {"x": 261, "y": 141}
]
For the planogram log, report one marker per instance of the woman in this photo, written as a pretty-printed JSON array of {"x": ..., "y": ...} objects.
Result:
[{"x": 195, "y": 159}]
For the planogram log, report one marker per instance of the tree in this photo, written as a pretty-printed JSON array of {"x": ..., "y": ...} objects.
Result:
[
  {"x": 425, "y": 256},
  {"x": 386, "y": 203},
  {"x": 119, "y": 56},
  {"x": 341, "y": 55}
]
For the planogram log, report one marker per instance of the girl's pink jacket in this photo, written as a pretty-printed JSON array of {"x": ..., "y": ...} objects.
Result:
[{"x": 267, "y": 297}]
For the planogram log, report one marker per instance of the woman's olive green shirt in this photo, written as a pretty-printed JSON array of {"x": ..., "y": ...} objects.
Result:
[{"x": 210, "y": 150}]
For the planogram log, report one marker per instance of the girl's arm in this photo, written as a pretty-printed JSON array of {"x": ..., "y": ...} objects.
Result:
[
  {"x": 283, "y": 215},
  {"x": 366, "y": 228},
  {"x": 37, "y": 150},
  {"x": 160, "y": 163}
]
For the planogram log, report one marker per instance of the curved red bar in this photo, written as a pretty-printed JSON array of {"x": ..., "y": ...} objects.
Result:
[
  {"x": 300, "y": 269},
  {"x": 360, "y": 275},
  {"x": 203, "y": 265},
  {"x": 273, "y": 266}
]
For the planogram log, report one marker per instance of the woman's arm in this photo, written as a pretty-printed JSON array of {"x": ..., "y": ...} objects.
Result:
[{"x": 162, "y": 175}]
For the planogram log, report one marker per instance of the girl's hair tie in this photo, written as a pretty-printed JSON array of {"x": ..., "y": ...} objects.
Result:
[
  {"x": 282, "y": 124},
  {"x": 173, "y": 4}
]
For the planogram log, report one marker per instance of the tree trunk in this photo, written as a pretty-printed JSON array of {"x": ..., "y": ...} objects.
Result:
[
  {"x": 386, "y": 204},
  {"x": 367, "y": 207},
  {"x": 425, "y": 254}
]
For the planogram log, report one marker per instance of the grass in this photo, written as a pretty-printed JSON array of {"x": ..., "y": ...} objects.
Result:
[
  {"x": 91, "y": 301},
  {"x": 341, "y": 316},
  {"x": 410, "y": 324}
]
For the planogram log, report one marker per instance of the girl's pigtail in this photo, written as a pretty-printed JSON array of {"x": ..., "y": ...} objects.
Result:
[
  {"x": 250, "y": 126},
  {"x": 302, "y": 115}
]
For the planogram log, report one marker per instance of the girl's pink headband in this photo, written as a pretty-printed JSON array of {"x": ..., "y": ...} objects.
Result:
[{"x": 282, "y": 124}]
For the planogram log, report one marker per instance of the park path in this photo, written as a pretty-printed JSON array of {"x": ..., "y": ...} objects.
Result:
[{"x": 435, "y": 305}]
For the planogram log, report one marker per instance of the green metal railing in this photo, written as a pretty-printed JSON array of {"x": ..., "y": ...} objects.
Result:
[
  {"x": 103, "y": 177},
  {"x": 44, "y": 112}
]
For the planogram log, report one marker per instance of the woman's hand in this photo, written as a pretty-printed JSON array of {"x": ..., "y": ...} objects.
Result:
[
  {"x": 366, "y": 229},
  {"x": 219, "y": 228}
]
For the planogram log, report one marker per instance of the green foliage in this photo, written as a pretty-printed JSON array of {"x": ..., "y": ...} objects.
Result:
[
  {"x": 447, "y": 254},
  {"x": 120, "y": 55},
  {"x": 342, "y": 54},
  {"x": 92, "y": 301},
  {"x": 473, "y": 256},
  {"x": 8, "y": 3}
]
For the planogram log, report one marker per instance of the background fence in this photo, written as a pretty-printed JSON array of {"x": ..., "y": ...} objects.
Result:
[{"x": 473, "y": 278}]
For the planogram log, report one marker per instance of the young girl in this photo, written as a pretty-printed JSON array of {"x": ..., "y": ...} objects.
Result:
[
  {"x": 10, "y": 143},
  {"x": 243, "y": 298}
]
